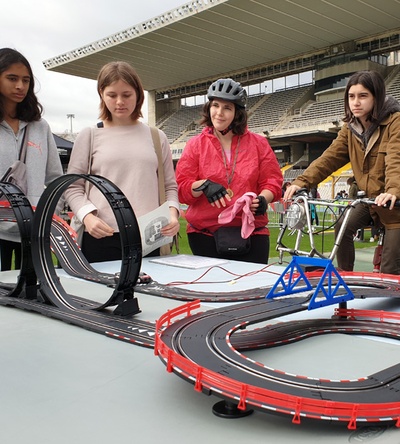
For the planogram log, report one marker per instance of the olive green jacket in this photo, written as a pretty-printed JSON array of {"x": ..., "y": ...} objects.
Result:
[{"x": 376, "y": 168}]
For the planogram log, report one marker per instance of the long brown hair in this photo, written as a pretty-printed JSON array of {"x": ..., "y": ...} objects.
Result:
[
  {"x": 112, "y": 72},
  {"x": 29, "y": 110},
  {"x": 375, "y": 83}
]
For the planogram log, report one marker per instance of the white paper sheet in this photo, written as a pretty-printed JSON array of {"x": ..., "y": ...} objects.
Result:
[{"x": 150, "y": 226}]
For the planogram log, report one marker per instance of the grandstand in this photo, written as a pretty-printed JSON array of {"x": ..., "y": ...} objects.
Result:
[
  {"x": 316, "y": 113},
  {"x": 179, "y": 53},
  {"x": 176, "y": 124},
  {"x": 285, "y": 111},
  {"x": 274, "y": 108}
]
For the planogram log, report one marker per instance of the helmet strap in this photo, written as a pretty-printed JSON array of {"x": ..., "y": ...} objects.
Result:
[{"x": 226, "y": 130}]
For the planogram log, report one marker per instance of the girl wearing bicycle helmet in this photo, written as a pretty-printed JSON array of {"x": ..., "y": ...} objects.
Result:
[{"x": 218, "y": 167}]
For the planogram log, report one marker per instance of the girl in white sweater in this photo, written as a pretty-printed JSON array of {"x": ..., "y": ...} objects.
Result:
[{"x": 123, "y": 152}]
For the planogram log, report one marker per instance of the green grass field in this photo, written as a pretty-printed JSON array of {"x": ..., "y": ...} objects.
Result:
[{"x": 323, "y": 243}]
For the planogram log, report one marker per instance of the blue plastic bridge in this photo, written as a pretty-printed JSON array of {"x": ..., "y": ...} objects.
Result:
[{"x": 327, "y": 292}]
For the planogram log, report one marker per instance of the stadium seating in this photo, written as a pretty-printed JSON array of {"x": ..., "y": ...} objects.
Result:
[
  {"x": 317, "y": 113},
  {"x": 275, "y": 106},
  {"x": 287, "y": 110},
  {"x": 180, "y": 121}
]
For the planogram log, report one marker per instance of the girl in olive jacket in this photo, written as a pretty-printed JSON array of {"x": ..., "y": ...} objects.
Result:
[{"x": 370, "y": 140}]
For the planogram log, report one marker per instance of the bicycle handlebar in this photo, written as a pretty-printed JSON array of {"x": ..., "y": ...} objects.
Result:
[{"x": 302, "y": 192}]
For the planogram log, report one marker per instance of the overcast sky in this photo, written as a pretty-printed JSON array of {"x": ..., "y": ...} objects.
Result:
[{"x": 43, "y": 29}]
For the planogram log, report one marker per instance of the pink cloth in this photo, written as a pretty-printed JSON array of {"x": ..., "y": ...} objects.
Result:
[{"x": 242, "y": 204}]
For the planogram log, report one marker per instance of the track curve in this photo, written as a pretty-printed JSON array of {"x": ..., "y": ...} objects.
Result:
[{"x": 201, "y": 349}]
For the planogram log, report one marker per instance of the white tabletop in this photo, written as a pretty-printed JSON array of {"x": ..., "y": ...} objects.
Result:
[{"x": 64, "y": 384}]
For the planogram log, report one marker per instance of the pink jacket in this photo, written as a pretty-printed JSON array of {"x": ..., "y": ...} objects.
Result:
[{"x": 256, "y": 169}]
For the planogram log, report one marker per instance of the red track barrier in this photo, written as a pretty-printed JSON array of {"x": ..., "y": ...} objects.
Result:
[{"x": 248, "y": 396}]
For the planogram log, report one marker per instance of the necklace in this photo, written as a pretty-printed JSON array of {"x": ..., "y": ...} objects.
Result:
[{"x": 229, "y": 176}]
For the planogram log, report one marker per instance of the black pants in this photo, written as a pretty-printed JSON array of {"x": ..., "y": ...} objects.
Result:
[
  {"x": 204, "y": 245},
  {"x": 105, "y": 249},
  {"x": 7, "y": 248}
]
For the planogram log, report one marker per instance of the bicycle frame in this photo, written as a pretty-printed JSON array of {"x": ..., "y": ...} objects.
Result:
[{"x": 298, "y": 219}]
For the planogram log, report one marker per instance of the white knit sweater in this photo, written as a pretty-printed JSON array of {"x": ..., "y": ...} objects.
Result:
[{"x": 125, "y": 155}]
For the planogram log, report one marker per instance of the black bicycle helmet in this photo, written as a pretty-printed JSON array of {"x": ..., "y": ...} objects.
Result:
[{"x": 228, "y": 89}]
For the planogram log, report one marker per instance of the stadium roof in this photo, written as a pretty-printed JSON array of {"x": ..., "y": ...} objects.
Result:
[
  {"x": 63, "y": 143},
  {"x": 206, "y": 39}
]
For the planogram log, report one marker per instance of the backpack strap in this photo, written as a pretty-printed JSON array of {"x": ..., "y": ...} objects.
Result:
[
  {"x": 165, "y": 249},
  {"x": 23, "y": 149},
  {"x": 160, "y": 171}
]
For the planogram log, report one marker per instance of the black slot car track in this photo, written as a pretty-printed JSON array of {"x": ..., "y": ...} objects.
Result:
[
  {"x": 63, "y": 244},
  {"x": 38, "y": 287},
  {"x": 205, "y": 349},
  {"x": 201, "y": 349}
]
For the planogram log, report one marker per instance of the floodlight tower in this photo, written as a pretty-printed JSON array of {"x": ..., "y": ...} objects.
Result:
[{"x": 70, "y": 117}]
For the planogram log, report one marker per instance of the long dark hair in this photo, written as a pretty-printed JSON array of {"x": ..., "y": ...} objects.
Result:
[
  {"x": 112, "y": 72},
  {"x": 375, "y": 83},
  {"x": 238, "y": 125},
  {"x": 29, "y": 110}
]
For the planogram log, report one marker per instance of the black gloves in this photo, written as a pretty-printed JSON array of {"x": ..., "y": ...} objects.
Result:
[
  {"x": 213, "y": 191},
  {"x": 262, "y": 206}
]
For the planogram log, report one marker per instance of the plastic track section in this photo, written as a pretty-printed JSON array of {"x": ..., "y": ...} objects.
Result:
[
  {"x": 127, "y": 329},
  {"x": 199, "y": 349},
  {"x": 23, "y": 213},
  {"x": 51, "y": 288},
  {"x": 69, "y": 254},
  {"x": 362, "y": 284}
]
